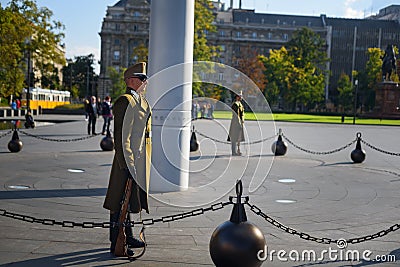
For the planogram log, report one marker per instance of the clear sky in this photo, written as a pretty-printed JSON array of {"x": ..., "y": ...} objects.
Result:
[{"x": 83, "y": 18}]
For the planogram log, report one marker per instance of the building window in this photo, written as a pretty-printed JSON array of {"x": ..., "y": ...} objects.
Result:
[
  {"x": 116, "y": 55},
  {"x": 117, "y": 27},
  {"x": 254, "y": 35},
  {"x": 205, "y": 33},
  {"x": 269, "y": 35},
  {"x": 222, "y": 48},
  {"x": 117, "y": 42},
  {"x": 221, "y": 33},
  {"x": 221, "y": 21},
  {"x": 137, "y": 14},
  {"x": 285, "y": 36},
  {"x": 135, "y": 28},
  {"x": 238, "y": 34}
]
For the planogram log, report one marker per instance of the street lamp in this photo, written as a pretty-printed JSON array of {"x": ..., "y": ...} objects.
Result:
[
  {"x": 28, "y": 94},
  {"x": 355, "y": 101},
  {"x": 70, "y": 62}
]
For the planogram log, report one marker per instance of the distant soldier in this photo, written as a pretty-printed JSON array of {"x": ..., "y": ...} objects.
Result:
[{"x": 236, "y": 134}]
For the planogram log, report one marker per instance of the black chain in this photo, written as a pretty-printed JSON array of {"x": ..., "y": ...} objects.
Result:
[
  {"x": 226, "y": 142},
  {"x": 57, "y": 140},
  {"x": 323, "y": 240},
  {"x": 5, "y": 134},
  {"x": 144, "y": 222},
  {"x": 317, "y": 152},
  {"x": 380, "y": 150}
]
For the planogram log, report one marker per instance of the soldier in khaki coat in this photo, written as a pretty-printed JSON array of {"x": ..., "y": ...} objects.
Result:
[
  {"x": 132, "y": 138},
  {"x": 236, "y": 134}
]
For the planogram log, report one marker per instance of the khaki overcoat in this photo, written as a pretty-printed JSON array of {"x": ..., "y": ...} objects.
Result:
[
  {"x": 236, "y": 133},
  {"x": 132, "y": 141}
]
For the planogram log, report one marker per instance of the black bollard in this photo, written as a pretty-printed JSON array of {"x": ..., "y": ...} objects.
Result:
[
  {"x": 15, "y": 145},
  {"x": 194, "y": 144},
  {"x": 237, "y": 242},
  {"x": 107, "y": 143},
  {"x": 279, "y": 147},
  {"x": 358, "y": 154}
]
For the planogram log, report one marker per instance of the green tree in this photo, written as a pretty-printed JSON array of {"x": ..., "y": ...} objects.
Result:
[
  {"x": 202, "y": 51},
  {"x": 27, "y": 29},
  {"x": 297, "y": 71},
  {"x": 140, "y": 53},
  {"x": 345, "y": 90},
  {"x": 118, "y": 86},
  {"x": 82, "y": 76}
]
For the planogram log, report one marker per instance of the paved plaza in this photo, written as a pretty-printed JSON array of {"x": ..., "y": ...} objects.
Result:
[{"x": 324, "y": 196}]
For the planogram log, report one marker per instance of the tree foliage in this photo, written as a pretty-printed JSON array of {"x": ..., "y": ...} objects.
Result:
[
  {"x": 79, "y": 73},
  {"x": 117, "y": 82},
  {"x": 345, "y": 90},
  {"x": 297, "y": 73},
  {"x": 26, "y": 28}
]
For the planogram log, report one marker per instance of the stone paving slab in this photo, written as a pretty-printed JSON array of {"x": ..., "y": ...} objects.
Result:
[{"x": 333, "y": 197}]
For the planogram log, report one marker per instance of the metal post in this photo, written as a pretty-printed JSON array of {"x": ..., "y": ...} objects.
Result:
[
  {"x": 87, "y": 80},
  {"x": 170, "y": 92},
  {"x": 28, "y": 95},
  {"x": 355, "y": 102}
]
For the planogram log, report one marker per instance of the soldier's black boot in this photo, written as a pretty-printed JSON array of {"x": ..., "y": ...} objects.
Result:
[
  {"x": 132, "y": 241},
  {"x": 113, "y": 231}
]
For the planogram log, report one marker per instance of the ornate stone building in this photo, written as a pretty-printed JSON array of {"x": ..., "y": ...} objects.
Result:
[{"x": 126, "y": 25}]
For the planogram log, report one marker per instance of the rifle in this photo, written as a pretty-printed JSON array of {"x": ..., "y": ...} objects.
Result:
[{"x": 121, "y": 245}]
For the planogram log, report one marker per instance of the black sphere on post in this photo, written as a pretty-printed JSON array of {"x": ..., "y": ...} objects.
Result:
[
  {"x": 15, "y": 145},
  {"x": 358, "y": 155},
  {"x": 279, "y": 147},
  {"x": 194, "y": 144},
  {"x": 237, "y": 242},
  {"x": 107, "y": 143}
]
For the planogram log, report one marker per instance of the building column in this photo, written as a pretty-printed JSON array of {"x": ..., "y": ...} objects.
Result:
[{"x": 170, "y": 92}]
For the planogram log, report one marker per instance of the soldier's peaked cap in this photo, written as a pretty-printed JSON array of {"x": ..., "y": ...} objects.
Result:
[{"x": 135, "y": 70}]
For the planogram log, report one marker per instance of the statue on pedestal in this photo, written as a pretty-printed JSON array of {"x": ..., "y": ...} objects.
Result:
[{"x": 389, "y": 63}]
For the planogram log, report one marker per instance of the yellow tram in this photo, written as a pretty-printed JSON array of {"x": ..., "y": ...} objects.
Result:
[{"x": 46, "y": 98}]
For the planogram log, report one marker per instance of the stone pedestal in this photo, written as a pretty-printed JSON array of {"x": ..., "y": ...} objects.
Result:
[{"x": 387, "y": 100}]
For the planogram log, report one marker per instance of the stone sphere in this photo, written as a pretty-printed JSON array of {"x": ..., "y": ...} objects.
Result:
[
  {"x": 107, "y": 143},
  {"x": 236, "y": 245},
  {"x": 15, "y": 145},
  {"x": 194, "y": 144},
  {"x": 358, "y": 155},
  {"x": 279, "y": 148}
]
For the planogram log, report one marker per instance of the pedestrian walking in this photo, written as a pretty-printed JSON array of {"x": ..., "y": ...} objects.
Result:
[
  {"x": 131, "y": 164},
  {"x": 92, "y": 113},
  {"x": 106, "y": 113}
]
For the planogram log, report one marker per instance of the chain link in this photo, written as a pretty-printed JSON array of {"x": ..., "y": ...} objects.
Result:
[
  {"x": 379, "y": 150},
  {"x": 57, "y": 140},
  {"x": 6, "y": 133},
  {"x": 144, "y": 222},
  {"x": 317, "y": 152},
  {"x": 226, "y": 142},
  {"x": 323, "y": 240}
]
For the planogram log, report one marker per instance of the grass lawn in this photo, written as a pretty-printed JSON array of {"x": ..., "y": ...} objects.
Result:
[{"x": 306, "y": 118}]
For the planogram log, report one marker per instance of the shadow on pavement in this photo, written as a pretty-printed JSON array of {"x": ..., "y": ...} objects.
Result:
[
  {"x": 97, "y": 257},
  {"x": 25, "y": 194}
]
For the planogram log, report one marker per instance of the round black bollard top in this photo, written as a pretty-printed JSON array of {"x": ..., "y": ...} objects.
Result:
[
  {"x": 237, "y": 245},
  {"x": 107, "y": 143},
  {"x": 237, "y": 242},
  {"x": 194, "y": 144},
  {"x": 279, "y": 147},
  {"x": 358, "y": 154},
  {"x": 15, "y": 145}
]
